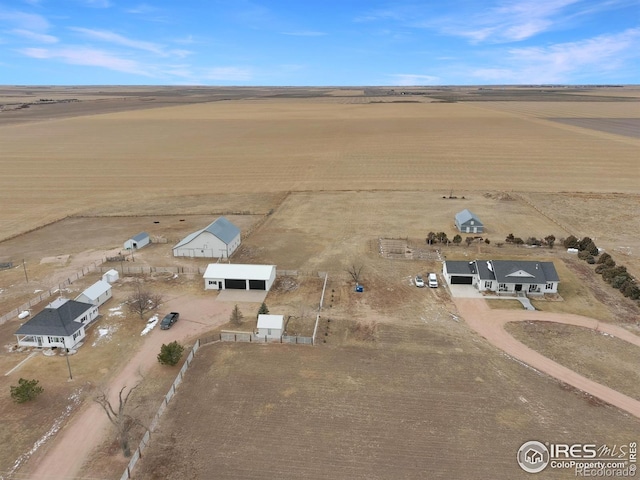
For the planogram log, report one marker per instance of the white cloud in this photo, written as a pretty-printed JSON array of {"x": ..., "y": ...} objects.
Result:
[
  {"x": 565, "y": 62},
  {"x": 97, "y": 3},
  {"x": 410, "y": 79},
  {"x": 33, "y": 36},
  {"x": 87, "y": 57},
  {"x": 512, "y": 21},
  {"x": 117, "y": 39},
  {"x": 142, "y": 9},
  {"x": 25, "y": 21}
]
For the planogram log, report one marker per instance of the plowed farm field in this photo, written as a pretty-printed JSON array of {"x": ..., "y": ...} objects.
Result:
[{"x": 126, "y": 160}]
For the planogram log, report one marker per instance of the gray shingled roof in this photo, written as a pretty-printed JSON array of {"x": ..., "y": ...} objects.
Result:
[
  {"x": 465, "y": 215},
  {"x": 221, "y": 228},
  {"x": 513, "y": 271},
  {"x": 460, "y": 267},
  {"x": 56, "y": 321}
]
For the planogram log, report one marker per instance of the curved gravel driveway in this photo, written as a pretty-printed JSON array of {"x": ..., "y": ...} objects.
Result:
[{"x": 490, "y": 323}]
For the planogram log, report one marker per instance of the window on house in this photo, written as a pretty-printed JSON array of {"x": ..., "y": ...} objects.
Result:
[
  {"x": 487, "y": 284},
  {"x": 502, "y": 287},
  {"x": 211, "y": 282},
  {"x": 533, "y": 288},
  {"x": 549, "y": 286}
]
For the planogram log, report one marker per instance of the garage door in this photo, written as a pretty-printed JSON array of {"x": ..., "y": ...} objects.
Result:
[
  {"x": 458, "y": 280},
  {"x": 235, "y": 284},
  {"x": 257, "y": 285}
]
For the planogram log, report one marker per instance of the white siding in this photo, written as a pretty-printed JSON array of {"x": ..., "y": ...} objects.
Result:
[{"x": 207, "y": 245}]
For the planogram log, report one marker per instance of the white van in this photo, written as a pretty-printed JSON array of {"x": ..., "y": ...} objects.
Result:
[{"x": 433, "y": 280}]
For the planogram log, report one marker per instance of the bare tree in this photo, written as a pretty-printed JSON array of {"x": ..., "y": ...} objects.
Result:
[
  {"x": 141, "y": 301},
  {"x": 356, "y": 272},
  {"x": 119, "y": 418}
]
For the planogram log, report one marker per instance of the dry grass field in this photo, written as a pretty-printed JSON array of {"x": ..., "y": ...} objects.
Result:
[
  {"x": 585, "y": 351},
  {"x": 315, "y": 178},
  {"x": 425, "y": 404}
]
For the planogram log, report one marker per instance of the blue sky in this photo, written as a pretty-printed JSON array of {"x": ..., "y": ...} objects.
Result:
[{"x": 319, "y": 42}]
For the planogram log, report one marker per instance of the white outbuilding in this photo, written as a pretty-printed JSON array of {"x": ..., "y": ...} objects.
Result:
[
  {"x": 217, "y": 240},
  {"x": 270, "y": 326},
  {"x": 111, "y": 276},
  {"x": 227, "y": 276},
  {"x": 96, "y": 294},
  {"x": 139, "y": 241}
]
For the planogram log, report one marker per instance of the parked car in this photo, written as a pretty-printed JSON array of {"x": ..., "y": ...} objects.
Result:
[
  {"x": 169, "y": 320},
  {"x": 433, "y": 280},
  {"x": 419, "y": 281}
]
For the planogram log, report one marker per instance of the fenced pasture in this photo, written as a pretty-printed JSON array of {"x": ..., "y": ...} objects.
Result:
[{"x": 343, "y": 416}]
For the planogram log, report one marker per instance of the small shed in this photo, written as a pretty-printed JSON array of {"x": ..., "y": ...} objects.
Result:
[
  {"x": 270, "y": 326},
  {"x": 96, "y": 294},
  {"x": 468, "y": 222},
  {"x": 137, "y": 242},
  {"x": 111, "y": 276}
]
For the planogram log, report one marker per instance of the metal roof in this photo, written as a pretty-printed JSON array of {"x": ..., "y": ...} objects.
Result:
[
  {"x": 466, "y": 215},
  {"x": 139, "y": 237},
  {"x": 220, "y": 228},
  {"x": 95, "y": 290},
  {"x": 239, "y": 271},
  {"x": 56, "y": 321},
  {"x": 270, "y": 321}
]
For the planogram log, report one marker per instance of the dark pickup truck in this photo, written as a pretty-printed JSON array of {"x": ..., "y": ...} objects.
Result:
[{"x": 169, "y": 320}]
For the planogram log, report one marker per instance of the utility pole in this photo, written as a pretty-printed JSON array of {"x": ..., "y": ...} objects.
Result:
[{"x": 24, "y": 265}]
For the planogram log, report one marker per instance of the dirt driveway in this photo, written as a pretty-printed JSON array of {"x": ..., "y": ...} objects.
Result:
[
  {"x": 490, "y": 323},
  {"x": 72, "y": 447}
]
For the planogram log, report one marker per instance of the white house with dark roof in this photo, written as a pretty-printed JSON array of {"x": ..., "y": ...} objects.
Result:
[
  {"x": 503, "y": 276},
  {"x": 139, "y": 241},
  {"x": 62, "y": 323},
  {"x": 217, "y": 240},
  {"x": 96, "y": 294},
  {"x": 468, "y": 222},
  {"x": 228, "y": 276}
]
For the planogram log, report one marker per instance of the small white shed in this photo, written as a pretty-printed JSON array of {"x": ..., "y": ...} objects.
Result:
[
  {"x": 270, "y": 326},
  {"x": 137, "y": 242},
  {"x": 111, "y": 276},
  {"x": 96, "y": 294}
]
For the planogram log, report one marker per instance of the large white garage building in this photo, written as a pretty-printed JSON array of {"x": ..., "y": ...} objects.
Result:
[{"x": 226, "y": 276}]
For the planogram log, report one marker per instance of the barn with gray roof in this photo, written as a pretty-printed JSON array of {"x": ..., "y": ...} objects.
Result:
[
  {"x": 468, "y": 222},
  {"x": 217, "y": 240}
]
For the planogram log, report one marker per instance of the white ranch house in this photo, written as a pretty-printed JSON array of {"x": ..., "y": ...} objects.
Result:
[
  {"x": 270, "y": 326},
  {"x": 96, "y": 294},
  {"x": 217, "y": 240},
  {"x": 468, "y": 222},
  {"x": 61, "y": 324},
  {"x": 227, "y": 276},
  {"x": 503, "y": 276}
]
